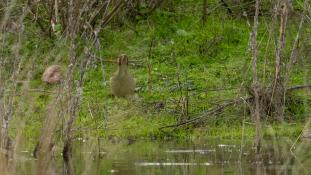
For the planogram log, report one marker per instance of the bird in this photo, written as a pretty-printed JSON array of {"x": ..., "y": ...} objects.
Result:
[
  {"x": 122, "y": 82},
  {"x": 52, "y": 74}
]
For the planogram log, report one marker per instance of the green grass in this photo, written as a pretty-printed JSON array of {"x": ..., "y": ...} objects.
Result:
[{"x": 186, "y": 58}]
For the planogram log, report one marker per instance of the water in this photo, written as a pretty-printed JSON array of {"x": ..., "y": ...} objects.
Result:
[{"x": 209, "y": 156}]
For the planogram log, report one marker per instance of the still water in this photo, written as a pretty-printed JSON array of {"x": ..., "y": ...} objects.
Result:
[{"x": 205, "y": 156}]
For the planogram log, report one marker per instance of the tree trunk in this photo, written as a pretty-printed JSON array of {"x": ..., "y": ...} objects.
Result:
[
  {"x": 255, "y": 84},
  {"x": 278, "y": 87}
]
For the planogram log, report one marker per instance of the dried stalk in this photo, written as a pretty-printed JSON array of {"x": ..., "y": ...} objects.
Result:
[
  {"x": 255, "y": 83},
  {"x": 149, "y": 65},
  {"x": 56, "y": 11},
  {"x": 294, "y": 53},
  {"x": 45, "y": 145},
  {"x": 74, "y": 106},
  {"x": 106, "y": 19},
  {"x": 70, "y": 26},
  {"x": 271, "y": 34},
  {"x": 9, "y": 99},
  {"x": 278, "y": 87},
  {"x": 7, "y": 14}
]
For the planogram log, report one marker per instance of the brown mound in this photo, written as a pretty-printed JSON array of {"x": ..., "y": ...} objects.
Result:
[{"x": 52, "y": 74}]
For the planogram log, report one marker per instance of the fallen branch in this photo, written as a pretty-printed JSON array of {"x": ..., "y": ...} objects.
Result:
[
  {"x": 33, "y": 90},
  {"x": 308, "y": 86},
  {"x": 131, "y": 62},
  {"x": 219, "y": 108},
  {"x": 213, "y": 111},
  {"x": 106, "y": 19},
  {"x": 216, "y": 90}
]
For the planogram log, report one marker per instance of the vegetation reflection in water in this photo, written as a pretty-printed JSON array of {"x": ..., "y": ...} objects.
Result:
[{"x": 211, "y": 156}]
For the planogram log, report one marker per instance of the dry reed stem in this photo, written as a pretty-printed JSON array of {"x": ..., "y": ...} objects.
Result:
[
  {"x": 294, "y": 53},
  {"x": 277, "y": 96},
  {"x": 9, "y": 99},
  {"x": 256, "y": 84},
  {"x": 45, "y": 153},
  {"x": 271, "y": 35},
  {"x": 74, "y": 105}
]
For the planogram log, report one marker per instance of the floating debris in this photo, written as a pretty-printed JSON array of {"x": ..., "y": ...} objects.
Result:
[
  {"x": 114, "y": 171},
  {"x": 226, "y": 146}
]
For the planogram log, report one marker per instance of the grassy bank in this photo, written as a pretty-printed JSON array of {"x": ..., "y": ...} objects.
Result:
[{"x": 180, "y": 60}]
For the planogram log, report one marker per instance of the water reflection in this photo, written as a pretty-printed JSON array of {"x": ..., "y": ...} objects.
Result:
[
  {"x": 211, "y": 156},
  {"x": 170, "y": 164}
]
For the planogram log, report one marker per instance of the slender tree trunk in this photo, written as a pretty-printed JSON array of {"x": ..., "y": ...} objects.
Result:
[
  {"x": 278, "y": 86},
  {"x": 56, "y": 11},
  {"x": 70, "y": 22},
  {"x": 75, "y": 102},
  {"x": 255, "y": 83}
]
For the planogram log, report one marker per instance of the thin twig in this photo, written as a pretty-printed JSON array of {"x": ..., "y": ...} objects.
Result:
[{"x": 131, "y": 62}]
